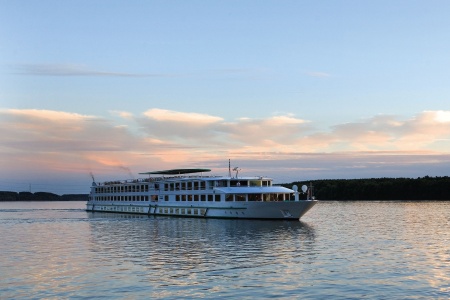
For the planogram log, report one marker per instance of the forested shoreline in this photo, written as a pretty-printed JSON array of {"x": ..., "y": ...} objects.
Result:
[
  {"x": 40, "y": 196},
  {"x": 422, "y": 188}
]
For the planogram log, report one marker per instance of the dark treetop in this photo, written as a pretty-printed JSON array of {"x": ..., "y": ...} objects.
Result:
[{"x": 422, "y": 188}]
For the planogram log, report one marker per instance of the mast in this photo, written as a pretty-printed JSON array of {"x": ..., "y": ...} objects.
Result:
[{"x": 229, "y": 167}]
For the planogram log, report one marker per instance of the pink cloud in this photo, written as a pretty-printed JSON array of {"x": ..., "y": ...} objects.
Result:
[{"x": 45, "y": 141}]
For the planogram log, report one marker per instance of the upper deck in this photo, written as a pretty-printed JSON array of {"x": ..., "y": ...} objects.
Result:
[{"x": 174, "y": 176}]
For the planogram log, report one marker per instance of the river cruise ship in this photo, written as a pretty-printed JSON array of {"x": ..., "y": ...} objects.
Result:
[{"x": 190, "y": 193}]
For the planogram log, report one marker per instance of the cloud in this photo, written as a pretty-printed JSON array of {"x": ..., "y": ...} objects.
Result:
[
  {"x": 271, "y": 133},
  {"x": 122, "y": 114},
  {"x": 82, "y": 70},
  {"x": 427, "y": 131},
  {"x": 385, "y": 132},
  {"x": 45, "y": 141},
  {"x": 73, "y": 70},
  {"x": 163, "y": 115},
  {"x": 440, "y": 116},
  {"x": 284, "y": 167},
  {"x": 56, "y": 131},
  {"x": 210, "y": 132}
]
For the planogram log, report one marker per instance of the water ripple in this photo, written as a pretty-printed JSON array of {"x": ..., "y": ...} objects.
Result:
[{"x": 352, "y": 250}]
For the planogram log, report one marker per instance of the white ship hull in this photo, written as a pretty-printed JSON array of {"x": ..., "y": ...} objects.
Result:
[{"x": 288, "y": 210}]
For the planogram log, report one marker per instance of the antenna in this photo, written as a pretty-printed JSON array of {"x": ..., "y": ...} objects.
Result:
[
  {"x": 237, "y": 169},
  {"x": 229, "y": 167},
  {"x": 93, "y": 179}
]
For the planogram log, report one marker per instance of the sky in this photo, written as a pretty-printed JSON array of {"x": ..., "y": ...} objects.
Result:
[{"x": 293, "y": 90}]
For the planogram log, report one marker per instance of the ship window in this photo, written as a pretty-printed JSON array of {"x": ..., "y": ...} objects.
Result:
[
  {"x": 229, "y": 197},
  {"x": 255, "y": 183},
  {"x": 217, "y": 198},
  {"x": 183, "y": 197},
  {"x": 240, "y": 197},
  {"x": 210, "y": 197},
  {"x": 203, "y": 197},
  {"x": 254, "y": 197},
  {"x": 177, "y": 197},
  {"x": 196, "y": 197},
  {"x": 270, "y": 197},
  {"x": 222, "y": 183},
  {"x": 166, "y": 198}
]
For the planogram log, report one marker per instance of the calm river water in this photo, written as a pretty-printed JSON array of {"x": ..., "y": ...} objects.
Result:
[{"x": 340, "y": 250}]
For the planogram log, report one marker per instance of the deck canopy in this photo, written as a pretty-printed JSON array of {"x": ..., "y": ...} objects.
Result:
[
  {"x": 254, "y": 190},
  {"x": 176, "y": 171}
]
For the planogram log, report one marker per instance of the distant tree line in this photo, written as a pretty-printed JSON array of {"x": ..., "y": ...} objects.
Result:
[
  {"x": 422, "y": 188},
  {"x": 40, "y": 196}
]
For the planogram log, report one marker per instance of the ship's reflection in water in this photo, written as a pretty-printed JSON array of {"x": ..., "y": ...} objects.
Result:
[{"x": 192, "y": 255}]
